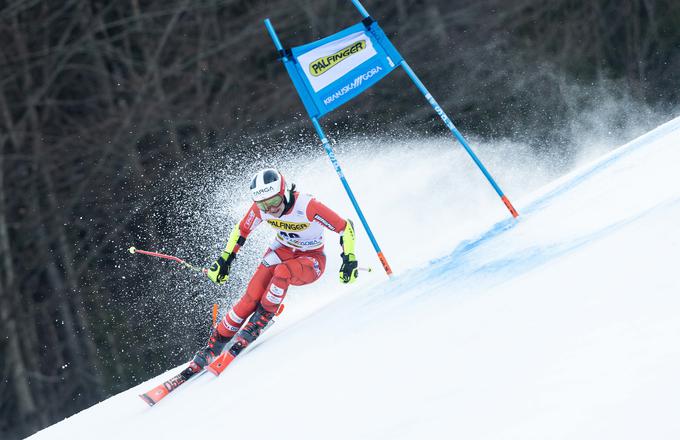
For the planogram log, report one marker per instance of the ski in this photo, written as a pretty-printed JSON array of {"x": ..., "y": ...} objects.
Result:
[
  {"x": 221, "y": 362},
  {"x": 216, "y": 367},
  {"x": 154, "y": 395}
]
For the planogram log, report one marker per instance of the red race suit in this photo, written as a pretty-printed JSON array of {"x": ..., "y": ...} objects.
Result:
[{"x": 295, "y": 257}]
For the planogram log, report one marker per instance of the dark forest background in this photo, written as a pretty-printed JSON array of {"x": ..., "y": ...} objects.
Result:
[{"x": 101, "y": 100}]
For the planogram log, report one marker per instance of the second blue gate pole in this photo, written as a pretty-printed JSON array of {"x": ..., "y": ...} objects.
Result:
[{"x": 447, "y": 121}]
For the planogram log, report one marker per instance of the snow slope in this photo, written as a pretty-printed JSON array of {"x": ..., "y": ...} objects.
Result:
[{"x": 564, "y": 324}]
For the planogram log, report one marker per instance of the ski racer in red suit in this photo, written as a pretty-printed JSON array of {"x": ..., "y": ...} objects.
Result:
[{"x": 295, "y": 257}]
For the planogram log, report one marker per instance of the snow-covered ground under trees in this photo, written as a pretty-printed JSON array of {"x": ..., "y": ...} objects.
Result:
[{"x": 564, "y": 324}]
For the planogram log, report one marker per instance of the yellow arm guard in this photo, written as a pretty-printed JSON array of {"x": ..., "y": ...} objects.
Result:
[
  {"x": 234, "y": 239},
  {"x": 218, "y": 273},
  {"x": 347, "y": 238},
  {"x": 349, "y": 270}
]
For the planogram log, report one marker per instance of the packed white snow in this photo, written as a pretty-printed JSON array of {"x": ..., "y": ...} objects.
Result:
[{"x": 563, "y": 324}]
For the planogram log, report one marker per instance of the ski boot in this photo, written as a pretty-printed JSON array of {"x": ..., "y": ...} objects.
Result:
[
  {"x": 257, "y": 322},
  {"x": 213, "y": 348}
]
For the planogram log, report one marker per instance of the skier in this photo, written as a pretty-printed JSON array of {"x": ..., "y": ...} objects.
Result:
[{"x": 295, "y": 257}]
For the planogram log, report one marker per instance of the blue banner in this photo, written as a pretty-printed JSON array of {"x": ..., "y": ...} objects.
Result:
[{"x": 335, "y": 69}]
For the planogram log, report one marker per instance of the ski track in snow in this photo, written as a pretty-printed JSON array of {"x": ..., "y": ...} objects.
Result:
[{"x": 562, "y": 324}]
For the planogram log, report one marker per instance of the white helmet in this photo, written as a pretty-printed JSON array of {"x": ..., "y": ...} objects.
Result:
[{"x": 268, "y": 183}]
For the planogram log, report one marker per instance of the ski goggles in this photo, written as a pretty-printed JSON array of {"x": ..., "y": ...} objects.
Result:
[{"x": 271, "y": 202}]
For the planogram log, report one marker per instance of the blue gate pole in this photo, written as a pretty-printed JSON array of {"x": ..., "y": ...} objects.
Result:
[
  {"x": 458, "y": 135},
  {"x": 447, "y": 122},
  {"x": 334, "y": 161}
]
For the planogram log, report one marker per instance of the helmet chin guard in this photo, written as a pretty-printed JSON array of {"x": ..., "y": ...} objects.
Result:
[{"x": 267, "y": 183}]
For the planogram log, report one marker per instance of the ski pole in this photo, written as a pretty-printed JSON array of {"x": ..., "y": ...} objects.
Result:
[
  {"x": 214, "y": 311},
  {"x": 134, "y": 250}
]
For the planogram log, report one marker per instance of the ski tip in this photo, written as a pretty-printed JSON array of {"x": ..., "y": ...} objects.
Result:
[
  {"x": 280, "y": 310},
  {"x": 220, "y": 363},
  {"x": 153, "y": 396},
  {"x": 147, "y": 399}
]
